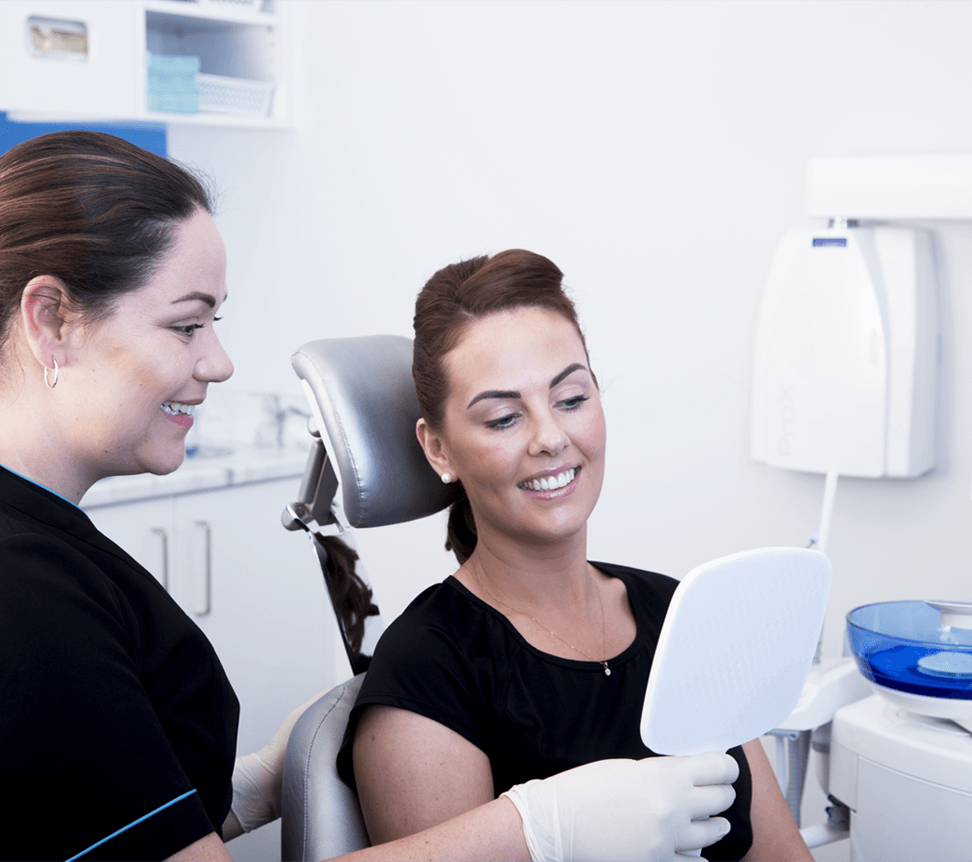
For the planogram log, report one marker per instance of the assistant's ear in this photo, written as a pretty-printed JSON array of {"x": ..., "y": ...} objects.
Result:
[
  {"x": 43, "y": 310},
  {"x": 434, "y": 449}
]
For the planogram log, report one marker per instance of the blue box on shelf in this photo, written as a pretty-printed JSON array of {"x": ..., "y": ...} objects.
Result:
[{"x": 172, "y": 84}]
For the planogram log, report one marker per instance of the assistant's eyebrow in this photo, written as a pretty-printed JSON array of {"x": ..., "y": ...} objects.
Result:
[
  {"x": 512, "y": 393},
  {"x": 208, "y": 298}
]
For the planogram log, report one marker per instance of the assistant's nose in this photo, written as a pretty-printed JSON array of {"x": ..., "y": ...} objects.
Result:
[
  {"x": 549, "y": 438},
  {"x": 214, "y": 365}
]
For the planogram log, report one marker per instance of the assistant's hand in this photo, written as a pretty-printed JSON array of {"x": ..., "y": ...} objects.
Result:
[
  {"x": 258, "y": 777},
  {"x": 641, "y": 810}
]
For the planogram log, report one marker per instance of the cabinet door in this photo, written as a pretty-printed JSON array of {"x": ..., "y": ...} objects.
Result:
[
  {"x": 44, "y": 69},
  {"x": 146, "y": 530},
  {"x": 256, "y": 590}
]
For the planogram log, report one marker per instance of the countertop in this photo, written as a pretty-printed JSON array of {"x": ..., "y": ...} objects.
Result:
[{"x": 208, "y": 469}]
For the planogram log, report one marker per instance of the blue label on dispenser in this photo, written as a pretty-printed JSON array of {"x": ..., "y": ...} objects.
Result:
[{"x": 824, "y": 241}]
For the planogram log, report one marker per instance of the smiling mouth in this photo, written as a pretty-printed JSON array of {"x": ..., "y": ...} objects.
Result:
[
  {"x": 176, "y": 408},
  {"x": 549, "y": 483}
]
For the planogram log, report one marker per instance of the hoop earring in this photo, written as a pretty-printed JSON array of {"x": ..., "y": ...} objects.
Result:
[
  {"x": 446, "y": 478},
  {"x": 56, "y": 372}
]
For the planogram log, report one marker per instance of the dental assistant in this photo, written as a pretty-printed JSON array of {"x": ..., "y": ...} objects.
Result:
[{"x": 118, "y": 724}]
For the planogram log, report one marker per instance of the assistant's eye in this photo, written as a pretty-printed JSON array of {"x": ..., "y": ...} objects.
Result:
[
  {"x": 188, "y": 330},
  {"x": 507, "y": 421}
]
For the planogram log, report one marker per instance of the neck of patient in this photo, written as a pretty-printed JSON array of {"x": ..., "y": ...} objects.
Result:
[{"x": 526, "y": 576}]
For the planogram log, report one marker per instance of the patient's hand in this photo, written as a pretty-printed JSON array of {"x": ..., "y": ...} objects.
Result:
[
  {"x": 413, "y": 773},
  {"x": 646, "y": 810}
]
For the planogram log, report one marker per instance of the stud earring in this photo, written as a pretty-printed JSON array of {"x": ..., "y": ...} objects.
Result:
[
  {"x": 51, "y": 385},
  {"x": 446, "y": 478}
]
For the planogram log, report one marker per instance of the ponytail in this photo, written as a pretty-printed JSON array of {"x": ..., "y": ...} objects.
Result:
[{"x": 461, "y": 535}]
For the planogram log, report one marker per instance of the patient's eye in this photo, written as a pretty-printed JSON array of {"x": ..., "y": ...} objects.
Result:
[
  {"x": 507, "y": 421},
  {"x": 574, "y": 402}
]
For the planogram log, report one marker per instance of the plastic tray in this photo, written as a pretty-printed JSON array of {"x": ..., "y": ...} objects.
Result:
[
  {"x": 905, "y": 647},
  {"x": 234, "y": 95}
]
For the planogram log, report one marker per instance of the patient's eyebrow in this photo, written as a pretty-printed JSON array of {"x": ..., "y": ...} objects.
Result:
[
  {"x": 512, "y": 393},
  {"x": 494, "y": 393},
  {"x": 570, "y": 369}
]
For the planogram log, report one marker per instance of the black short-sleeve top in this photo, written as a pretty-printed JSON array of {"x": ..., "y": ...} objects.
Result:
[
  {"x": 117, "y": 722},
  {"x": 453, "y": 658}
]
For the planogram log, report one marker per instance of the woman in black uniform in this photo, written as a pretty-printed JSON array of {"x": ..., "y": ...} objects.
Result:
[{"x": 118, "y": 725}]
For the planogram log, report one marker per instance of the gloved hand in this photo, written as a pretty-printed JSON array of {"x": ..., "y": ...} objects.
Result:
[
  {"x": 258, "y": 778},
  {"x": 640, "y": 810}
]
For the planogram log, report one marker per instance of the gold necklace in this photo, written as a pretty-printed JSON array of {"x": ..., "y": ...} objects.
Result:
[{"x": 607, "y": 670}]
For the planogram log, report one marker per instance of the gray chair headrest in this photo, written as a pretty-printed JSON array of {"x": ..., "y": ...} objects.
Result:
[{"x": 364, "y": 389}]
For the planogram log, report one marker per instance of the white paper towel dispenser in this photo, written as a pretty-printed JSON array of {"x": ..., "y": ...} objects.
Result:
[{"x": 845, "y": 369}]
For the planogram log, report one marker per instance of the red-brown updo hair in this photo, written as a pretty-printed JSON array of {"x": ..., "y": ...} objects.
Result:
[{"x": 451, "y": 301}]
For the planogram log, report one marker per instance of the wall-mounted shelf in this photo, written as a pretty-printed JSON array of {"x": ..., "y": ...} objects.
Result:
[{"x": 99, "y": 70}]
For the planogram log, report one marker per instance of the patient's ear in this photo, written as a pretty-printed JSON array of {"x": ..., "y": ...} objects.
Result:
[
  {"x": 45, "y": 316},
  {"x": 433, "y": 447}
]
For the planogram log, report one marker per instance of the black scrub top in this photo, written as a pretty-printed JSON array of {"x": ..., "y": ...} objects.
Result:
[{"x": 117, "y": 722}]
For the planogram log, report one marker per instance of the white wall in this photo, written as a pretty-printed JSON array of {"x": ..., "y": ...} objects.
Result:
[{"x": 656, "y": 151}]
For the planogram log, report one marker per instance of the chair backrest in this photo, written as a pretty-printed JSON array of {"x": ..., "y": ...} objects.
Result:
[
  {"x": 320, "y": 816},
  {"x": 361, "y": 391},
  {"x": 366, "y": 470}
]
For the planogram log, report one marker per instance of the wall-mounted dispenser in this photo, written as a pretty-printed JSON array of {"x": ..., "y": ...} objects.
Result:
[{"x": 846, "y": 353}]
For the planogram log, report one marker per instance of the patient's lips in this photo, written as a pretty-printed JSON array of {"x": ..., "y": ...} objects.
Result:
[{"x": 551, "y": 482}]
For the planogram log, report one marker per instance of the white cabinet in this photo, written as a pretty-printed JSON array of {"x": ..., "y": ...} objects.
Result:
[{"x": 87, "y": 59}]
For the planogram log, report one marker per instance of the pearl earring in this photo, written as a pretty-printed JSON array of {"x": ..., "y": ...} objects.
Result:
[{"x": 446, "y": 478}]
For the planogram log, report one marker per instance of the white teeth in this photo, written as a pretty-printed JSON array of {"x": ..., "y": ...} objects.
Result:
[
  {"x": 175, "y": 408},
  {"x": 550, "y": 483}
]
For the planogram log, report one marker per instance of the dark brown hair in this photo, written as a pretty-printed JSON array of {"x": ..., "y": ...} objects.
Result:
[
  {"x": 452, "y": 300},
  {"x": 91, "y": 209}
]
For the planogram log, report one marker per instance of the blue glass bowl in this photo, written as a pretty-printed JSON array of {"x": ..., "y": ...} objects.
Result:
[{"x": 904, "y": 646}]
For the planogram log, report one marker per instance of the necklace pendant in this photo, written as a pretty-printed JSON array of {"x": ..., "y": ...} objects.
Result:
[{"x": 607, "y": 670}]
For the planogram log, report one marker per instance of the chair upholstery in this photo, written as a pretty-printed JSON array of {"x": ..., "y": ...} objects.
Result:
[
  {"x": 362, "y": 390},
  {"x": 366, "y": 470},
  {"x": 321, "y": 817}
]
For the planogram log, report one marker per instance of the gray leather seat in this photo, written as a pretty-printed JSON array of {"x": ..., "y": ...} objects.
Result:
[{"x": 321, "y": 817}]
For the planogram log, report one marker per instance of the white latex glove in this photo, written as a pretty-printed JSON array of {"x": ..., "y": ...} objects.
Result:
[
  {"x": 258, "y": 778},
  {"x": 616, "y": 810}
]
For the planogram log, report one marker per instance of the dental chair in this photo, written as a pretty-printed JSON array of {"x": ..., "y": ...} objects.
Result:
[{"x": 365, "y": 469}]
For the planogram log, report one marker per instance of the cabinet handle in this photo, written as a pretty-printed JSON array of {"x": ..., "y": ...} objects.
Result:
[
  {"x": 165, "y": 556},
  {"x": 207, "y": 569}
]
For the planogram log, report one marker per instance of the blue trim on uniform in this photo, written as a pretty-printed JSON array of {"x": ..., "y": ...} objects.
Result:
[
  {"x": 133, "y": 823},
  {"x": 39, "y": 485}
]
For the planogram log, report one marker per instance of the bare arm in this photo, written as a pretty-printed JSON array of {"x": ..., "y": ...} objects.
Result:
[
  {"x": 492, "y": 831},
  {"x": 414, "y": 773},
  {"x": 207, "y": 849},
  {"x": 775, "y": 835}
]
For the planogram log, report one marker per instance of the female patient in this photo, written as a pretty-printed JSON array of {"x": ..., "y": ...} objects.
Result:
[{"x": 530, "y": 659}]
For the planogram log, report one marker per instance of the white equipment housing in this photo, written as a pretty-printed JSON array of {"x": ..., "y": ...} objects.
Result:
[{"x": 845, "y": 369}]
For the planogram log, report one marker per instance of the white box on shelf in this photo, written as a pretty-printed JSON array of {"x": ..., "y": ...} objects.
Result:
[{"x": 234, "y": 95}]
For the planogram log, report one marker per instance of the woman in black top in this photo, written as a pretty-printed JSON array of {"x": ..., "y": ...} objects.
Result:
[
  {"x": 117, "y": 724},
  {"x": 530, "y": 659}
]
